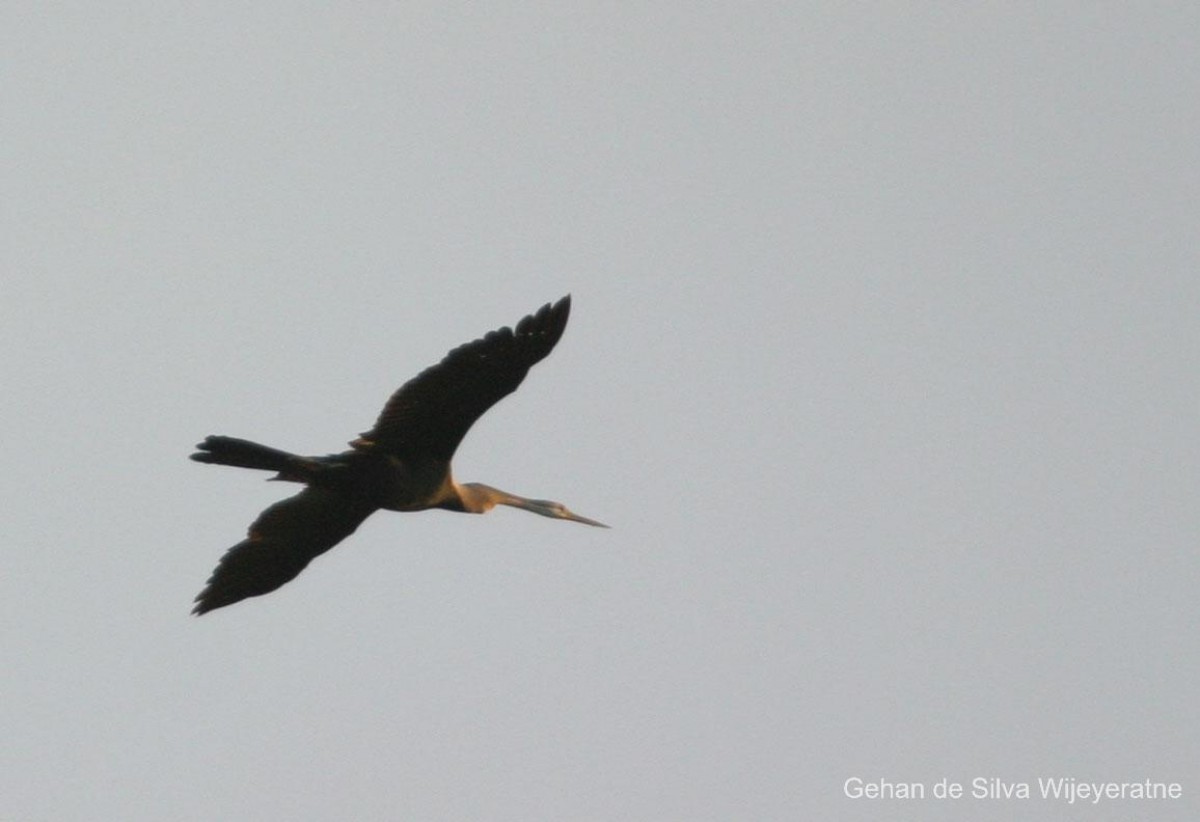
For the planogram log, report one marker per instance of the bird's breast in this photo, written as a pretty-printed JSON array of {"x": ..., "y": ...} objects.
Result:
[{"x": 410, "y": 486}]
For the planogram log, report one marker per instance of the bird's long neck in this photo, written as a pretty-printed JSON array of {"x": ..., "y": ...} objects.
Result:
[{"x": 478, "y": 498}]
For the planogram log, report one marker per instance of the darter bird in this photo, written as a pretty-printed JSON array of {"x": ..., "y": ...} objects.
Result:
[{"x": 402, "y": 464}]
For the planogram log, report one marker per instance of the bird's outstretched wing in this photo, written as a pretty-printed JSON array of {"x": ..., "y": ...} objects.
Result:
[
  {"x": 282, "y": 541},
  {"x": 431, "y": 413}
]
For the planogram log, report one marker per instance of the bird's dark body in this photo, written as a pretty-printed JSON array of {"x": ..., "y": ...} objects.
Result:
[{"x": 402, "y": 464}]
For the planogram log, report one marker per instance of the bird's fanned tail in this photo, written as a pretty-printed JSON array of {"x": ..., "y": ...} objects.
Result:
[{"x": 240, "y": 453}]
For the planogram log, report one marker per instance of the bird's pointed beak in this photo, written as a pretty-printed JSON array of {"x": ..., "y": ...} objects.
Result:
[{"x": 576, "y": 518}]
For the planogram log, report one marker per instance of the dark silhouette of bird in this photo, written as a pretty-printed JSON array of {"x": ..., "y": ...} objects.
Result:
[{"x": 402, "y": 464}]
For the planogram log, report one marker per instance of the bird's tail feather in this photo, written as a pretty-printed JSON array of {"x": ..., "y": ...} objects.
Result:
[{"x": 247, "y": 454}]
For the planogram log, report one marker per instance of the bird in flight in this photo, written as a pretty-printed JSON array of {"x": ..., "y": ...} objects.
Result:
[{"x": 402, "y": 464}]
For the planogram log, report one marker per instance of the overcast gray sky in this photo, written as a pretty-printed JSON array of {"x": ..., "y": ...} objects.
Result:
[{"x": 882, "y": 364}]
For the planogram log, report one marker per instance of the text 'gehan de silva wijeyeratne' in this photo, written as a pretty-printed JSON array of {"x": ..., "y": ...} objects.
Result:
[{"x": 1066, "y": 789}]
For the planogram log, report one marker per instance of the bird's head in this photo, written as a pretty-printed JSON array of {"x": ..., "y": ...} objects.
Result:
[{"x": 556, "y": 510}]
